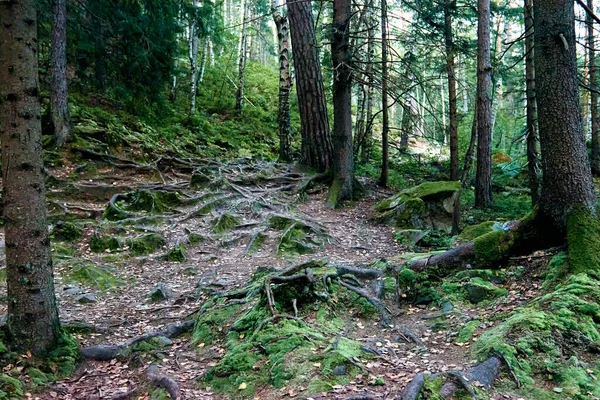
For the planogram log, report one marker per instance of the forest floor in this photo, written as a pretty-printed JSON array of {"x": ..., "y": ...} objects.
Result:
[{"x": 121, "y": 282}]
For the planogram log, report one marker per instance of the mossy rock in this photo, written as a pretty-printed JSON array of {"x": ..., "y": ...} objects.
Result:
[
  {"x": 146, "y": 244},
  {"x": 176, "y": 254},
  {"x": 427, "y": 206},
  {"x": 479, "y": 290},
  {"x": 101, "y": 243},
  {"x": 472, "y": 232},
  {"x": 66, "y": 231},
  {"x": 102, "y": 277}
]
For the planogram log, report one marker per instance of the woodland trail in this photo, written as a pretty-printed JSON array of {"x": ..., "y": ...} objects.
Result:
[{"x": 224, "y": 257}]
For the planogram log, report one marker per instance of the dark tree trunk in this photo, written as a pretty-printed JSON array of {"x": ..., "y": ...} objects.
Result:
[
  {"x": 59, "y": 109},
  {"x": 450, "y": 71},
  {"x": 483, "y": 182},
  {"x": 316, "y": 141},
  {"x": 32, "y": 314},
  {"x": 343, "y": 161},
  {"x": 285, "y": 82},
  {"x": 383, "y": 179},
  {"x": 595, "y": 161},
  {"x": 239, "y": 96},
  {"x": 99, "y": 54},
  {"x": 567, "y": 180},
  {"x": 533, "y": 161},
  {"x": 470, "y": 154},
  {"x": 408, "y": 119}
]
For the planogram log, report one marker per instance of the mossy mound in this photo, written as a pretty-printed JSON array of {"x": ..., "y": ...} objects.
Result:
[
  {"x": 427, "y": 206},
  {"x": 297, "y": 236},
  {"x": 224, "y": 223},
  {"x": 66, "y": 231},
  {"x": 176, "y": 254},
  {"x": 141, "y": 202},
  {"x": 547, "y": 342},
  {"x": 472, "y": 232},
  {"x": 101, "y": 243},
  {"x": 146, "y": 244},
  {"x": 308, "y": 351},
  {"x": 101, "y": 277}
]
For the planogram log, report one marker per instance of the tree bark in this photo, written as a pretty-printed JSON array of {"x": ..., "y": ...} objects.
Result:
[
  {"x": 194, "y": 41},
  {"x": 567, "y": 180},
  {"x": 59, "y": 108},
  {"x": 483, "y": 183},
  {"x": 470, "y": 155},
  {"x": 595, "y": 161},
  {"x": 239, "y": 96},
  {"x": 452, "y": 108},
  {"x": 285, "y": 81},
  {"x": 317, "y": 149},
  {"x": 32, "y": 313},
  {"x": 343, "y": 161},
  {"x": 533, "y": 162},
  {"x": 383, "y": 179}
]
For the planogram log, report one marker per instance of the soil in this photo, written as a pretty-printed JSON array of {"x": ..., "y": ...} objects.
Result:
[{"x": 125, "y": 311}]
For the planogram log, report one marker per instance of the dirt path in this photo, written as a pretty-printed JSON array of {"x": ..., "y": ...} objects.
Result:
[{"x": 222, "y": 261}]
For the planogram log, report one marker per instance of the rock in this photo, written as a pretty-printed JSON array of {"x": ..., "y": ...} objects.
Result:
[
  {"x": 479, "y": 290},
  {"x": 340, "y": 370},
  {"x": 410, "y": 236},
  {"x": 429, "y": 205},
  {"x": 161, "y": 292},
  {"x": 447, "y": 307},
  {"x": 163, "y": 341},
  {"x": 72, "y": 290},
  {"x": 86, "y": 298}
]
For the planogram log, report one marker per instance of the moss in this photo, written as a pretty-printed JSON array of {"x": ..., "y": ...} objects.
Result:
[
  {"x": 66, "y": 231},
  {"x": 557, "y": 270},
  {"x": 176, "y": 254},
  {"x": 485, "y": 274},
  {"x": 467, "y": 331},
  {"x": 11, "y": 388},
  {"x": 37, "y": 377},
  {"x": 146, "y": 244},
  {"x": 63, "y": 359},
  {"x": 472, "y": 232},
  {"x": 492, "y": 248},
  {"x": 426, "y": 189},
  {"x": 99, "y": 244},
  {"x": 199, "y": 180},
  {"x": 210, "y": 324},
  {"x": 583, "y": 240},
  {"x": 224, "y": 223},
  {"x": 62, "y": 250},
  {"x": 431, "y": 388},
  {"x": 157, "y": 202},
  {"x": 99, "y": 276},
  {"x": 256, "y": 242},
  {"x": 159, "y": 394},
  {"x": 479, "y": 290},
  {"x": 195, "y": 238}
]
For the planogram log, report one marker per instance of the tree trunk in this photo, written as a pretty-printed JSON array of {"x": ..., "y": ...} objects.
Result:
[
  {"x": 32, "y": 313},
  {"x": 341, "y": 57},
  {"x": 483, "y": 183},
  {"x": 452, "y": 109},
  {"x": 285, "y": 82},
  {"x": 370, "y": 99},
  {"x": 407, "y": 125},
  {"x": 316, "y": 141},
  {"x": 239, "y": 96},
  {"x": 567, "y": 181},
  {"x": 99, "y": 54},
  {"x": 470, "y": 155},
  {"x": 533, "y": 162},
  {"x": 59, "y": 108},
  {"x": 595, "y": 161},
  {"x": 194, "y": 41},
  {"x": 383, "y": 179},
  {"x": 202, "y": 68}
]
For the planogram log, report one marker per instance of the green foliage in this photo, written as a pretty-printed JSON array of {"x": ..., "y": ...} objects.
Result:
[
  {"x": 224, "y": 223},
  {"x": 99, "y": 244},
  {"x": 176, "y": 254},
  {"x": 11, "y": 388}
]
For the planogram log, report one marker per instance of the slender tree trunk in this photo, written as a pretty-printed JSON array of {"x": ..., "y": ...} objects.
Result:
[
  {"x": 595, "y": 161},
  {"x": 316, "y": 141},
  {"x": 445, "y": 127},
  {"x": 406, "y": 128},
  {"x": 383, "y": 179},
  {"x": 99, "y": 55},
  {"x": 341, "y": 57},
  {"x": 285, "y": 82},
  {"x": 497, "y": 81},
  {"x": 567, "y": 180},
  {"x": 483, "y": 182},
  {"x": 59, "y": 108},
  {"x": 239, "y": 96},
  {"x": 370, "y": 99},
  {"x": 359, "y": 127},
  {"x": 32, "y": 323},
  {"x": 470, "y": 154},
  {"x": 533, "y": 162},
  {"x": 203, "y": 61},
  {"x": 194, "y": 41},
  {"x": 452, "y": 109},
  {"x": 465, "y": 92}
]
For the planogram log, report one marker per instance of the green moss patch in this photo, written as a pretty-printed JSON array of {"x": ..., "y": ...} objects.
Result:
[
  {"x": 472, "y": 232},
  {"x": 102, "y": 277},
  {"x": 101, "y": 243},
  {"x": 224, "y": 223},
  {"x": 141, "y": 202},
  {"x": 11, "y": 388},
  {"x": 66, "y": 231},
  {"x": 146, "y": 244},
  {"x": 176, "y": 254}
]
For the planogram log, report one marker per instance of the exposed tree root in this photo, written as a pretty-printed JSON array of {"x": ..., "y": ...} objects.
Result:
[
  {"x": 108, "y": 352},
  {"x": 483, "y": 375},
  {"x": 163, "y": 381}
]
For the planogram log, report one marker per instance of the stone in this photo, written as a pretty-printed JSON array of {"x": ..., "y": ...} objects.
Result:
[
  {"x": 340, "y": 370},
  {"x": 429, "y": 205},
  {"x": 86, "y": 298},
  {"x": 72, "y": 290},
  {"x": 479, "y": 290},
  {"x": 161, "y": 292},
  {"x": 447, "y": 307},
  {"x": 163, "y": 341},
  {"x": 410, "y": 236}
]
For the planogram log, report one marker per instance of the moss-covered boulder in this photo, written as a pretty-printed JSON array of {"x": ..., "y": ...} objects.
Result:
[
  {"x": 472, "y": 232},
  {"x": 429, "y": 205},
  {"x": 479, "y": 290}
]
